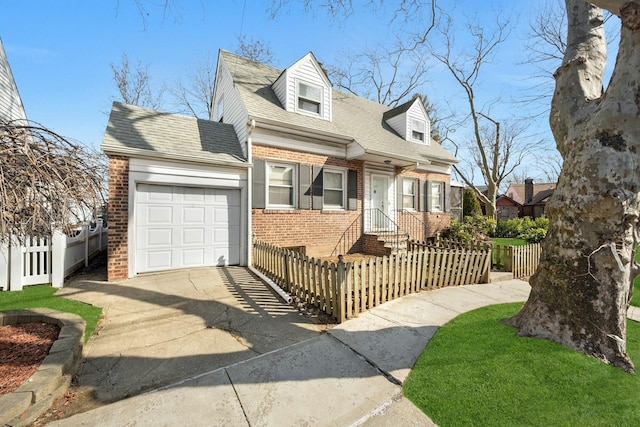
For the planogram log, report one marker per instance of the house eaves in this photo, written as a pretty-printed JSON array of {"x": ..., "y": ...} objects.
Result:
[{"x": 150, "y": 154}]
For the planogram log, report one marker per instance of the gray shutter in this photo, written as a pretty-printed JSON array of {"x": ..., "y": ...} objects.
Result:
[
  {"x": 422, "y": 199},
  {"x": 447, "y": 197},
  {"x": 399, "y": 189},
  {"x": 318, "y": 199},
  {"x": 427, "y": 190},
  {"x": 352, "y": 190},
  {"x": 304, "y": 187},
  {"x": 259, "y": 179}
]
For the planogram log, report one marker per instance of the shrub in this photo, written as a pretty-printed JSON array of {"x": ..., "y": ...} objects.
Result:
[
  {"x": 533, "y": 231},
  {"x": 535, "y": 235},
  {"x": 470, "y": 204},
  {"x": 472, "y": 228}
]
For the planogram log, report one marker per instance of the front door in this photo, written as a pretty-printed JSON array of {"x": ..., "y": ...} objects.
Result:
[{"x": 379, "y": 202}]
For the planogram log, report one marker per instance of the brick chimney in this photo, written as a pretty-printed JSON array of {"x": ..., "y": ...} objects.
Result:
[{"x": 528, "y": 190}]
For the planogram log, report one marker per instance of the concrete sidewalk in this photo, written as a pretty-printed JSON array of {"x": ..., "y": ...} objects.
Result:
[{"x": 351, "y": 375}]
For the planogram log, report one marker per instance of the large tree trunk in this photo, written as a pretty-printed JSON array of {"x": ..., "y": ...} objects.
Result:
[{"x": 581, "y": 291}]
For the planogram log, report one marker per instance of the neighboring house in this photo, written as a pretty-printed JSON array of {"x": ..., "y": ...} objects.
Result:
[
  {"x": 11, "y": 107},
  {"x": 507, "y": 208},
  {"x": 532, "y": 197},
  {"x": 307, "y": 164}
]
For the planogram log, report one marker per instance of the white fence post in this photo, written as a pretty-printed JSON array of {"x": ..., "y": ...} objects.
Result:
[
  {"x": 16, "y": 265},
  {"x": 58, "y": 252},
  {"x": 4, "y": 266}
]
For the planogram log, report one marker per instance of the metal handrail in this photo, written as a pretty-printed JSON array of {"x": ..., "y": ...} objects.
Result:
[
  {"x": 349, "y": 237},
  {"x": 416, "y": 225},
  {"x": 377, "y": 217}
]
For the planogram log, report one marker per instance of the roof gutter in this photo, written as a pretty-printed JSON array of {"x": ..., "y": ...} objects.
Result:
[
  {"x": 137, "y": 152},
  {"x": 262, "y": 123}
]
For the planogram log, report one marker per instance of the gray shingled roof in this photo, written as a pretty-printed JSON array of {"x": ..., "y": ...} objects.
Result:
[
  {"x": 138, "y": 130},
  {"x": 353, "y": 117}
]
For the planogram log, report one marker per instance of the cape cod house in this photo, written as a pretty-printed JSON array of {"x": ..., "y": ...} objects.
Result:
[{"x": 285, "y": 158}]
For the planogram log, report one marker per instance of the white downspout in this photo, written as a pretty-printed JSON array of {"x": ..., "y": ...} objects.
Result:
[{"x": 282, "y": 294}]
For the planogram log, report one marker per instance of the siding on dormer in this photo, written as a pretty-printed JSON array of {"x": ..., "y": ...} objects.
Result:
[
  {"x": 306, "y": 70},
  {"x": 234, "y": 111}
]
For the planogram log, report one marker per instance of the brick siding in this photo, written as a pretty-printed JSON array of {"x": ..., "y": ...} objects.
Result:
[
  {"x": 118, "y": 214},
  {"x": 319, "y": 231}
]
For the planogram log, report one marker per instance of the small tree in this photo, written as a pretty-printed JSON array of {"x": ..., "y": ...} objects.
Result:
[
  {"x": 470, "y": 204},
  {"x": 46, "y": 181},
  {"x": 134, "y": 85}
]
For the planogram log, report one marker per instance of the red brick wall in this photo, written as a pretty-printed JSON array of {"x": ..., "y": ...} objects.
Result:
[
  {"x": 435, "y": 221},
  {"x": 319, "y": 231},
  {"x": 118, "y": 214}
]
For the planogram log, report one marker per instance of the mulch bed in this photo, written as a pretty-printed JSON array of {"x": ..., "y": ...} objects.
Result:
[{"x": 22, "y": 350}]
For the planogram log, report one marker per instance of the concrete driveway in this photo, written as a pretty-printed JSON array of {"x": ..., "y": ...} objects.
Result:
[{"x": 159, "y": 329}]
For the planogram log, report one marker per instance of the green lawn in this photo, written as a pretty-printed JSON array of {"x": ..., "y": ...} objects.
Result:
[
  {"x": 508, "y": 241},
  {"x": 636, "y": 284},
  {"x": 43, "y": 296},
  {"x": 475, "y": 371}
]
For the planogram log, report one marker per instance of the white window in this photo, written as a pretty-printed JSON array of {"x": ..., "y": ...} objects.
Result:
[
  {"x": 220, "y": 109},
  {"x": 333, "y": 189},
  {"x": 281, "y": 186},
  {"x": 418, "y": 130},
  {"x": 309, "y": 98},
  {"x": 437, "y": 196},
  {"x": 409, "y": 193}
]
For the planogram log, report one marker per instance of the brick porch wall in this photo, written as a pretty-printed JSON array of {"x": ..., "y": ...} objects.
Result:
[
  {"x": 118, "y": 214},
  {"x": 318, "y": 230}
]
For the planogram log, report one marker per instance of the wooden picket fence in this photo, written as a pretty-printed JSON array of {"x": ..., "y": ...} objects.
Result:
[
  {"x": 345, "y": 289},
  {"x": 522, "y": 261}
]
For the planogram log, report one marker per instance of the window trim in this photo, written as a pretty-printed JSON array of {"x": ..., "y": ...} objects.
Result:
[
  {"x": 294, "y": 185},
  {"x": 299, "y": 97},
  {"x": 420, "y": 127},
  {"x": 343, "y": 204},
  {"x": 440, "y": 200},
  {"x": 414, "y": 196}
]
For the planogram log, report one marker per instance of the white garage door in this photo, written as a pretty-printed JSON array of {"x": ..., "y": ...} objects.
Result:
[{"x": 183, "y": 227}]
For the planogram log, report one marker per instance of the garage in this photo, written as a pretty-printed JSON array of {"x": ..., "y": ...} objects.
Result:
[{"x": 186, "y": 227}]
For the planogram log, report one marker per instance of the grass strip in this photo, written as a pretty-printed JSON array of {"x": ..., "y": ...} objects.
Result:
[
  {"x": 44, "y": 296},
  {"x": 477, "y": 372}
]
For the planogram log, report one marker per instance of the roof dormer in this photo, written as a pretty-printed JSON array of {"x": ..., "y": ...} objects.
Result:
[
  {"x": 411, "y": 121},
  {"x": 305, "y": 89}
]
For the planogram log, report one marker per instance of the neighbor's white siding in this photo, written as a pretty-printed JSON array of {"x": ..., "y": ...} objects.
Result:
[
  {"x": 234, "y": 111},
  {"x": 11, "y": 107}
]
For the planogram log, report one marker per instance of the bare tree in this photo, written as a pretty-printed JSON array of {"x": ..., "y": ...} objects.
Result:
[
  {"x": 580, "y": 293},
  {"x": 46, "y": 181},
  {"x": 134, "y": 85},
  {"x": 495, "y": 149},
  {"x": 256, "y": 50},
  {"x": 385, "y": 76},
  {"x": 195, "y": 97}
]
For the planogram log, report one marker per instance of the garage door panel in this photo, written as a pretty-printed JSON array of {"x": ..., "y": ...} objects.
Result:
[
  {"x": 193, "y": 257},
  {"x": 158, "y": 214},
  {"x": 193, "y": 215},
  {"x": 193, "y": 236},
  {"x": 158, "y": 237},
  {"x": 194, "y": 194},
  {"x": 159, "y": 193},
  {"x": 158, "y": 260},
  {"x": 179, "y": 227}
]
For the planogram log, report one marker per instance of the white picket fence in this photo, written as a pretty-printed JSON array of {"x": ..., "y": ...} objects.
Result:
[{"x": 49, "y": 260}]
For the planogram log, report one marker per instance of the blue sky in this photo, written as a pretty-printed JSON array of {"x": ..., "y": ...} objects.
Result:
[{"x": 60, "y": 52}]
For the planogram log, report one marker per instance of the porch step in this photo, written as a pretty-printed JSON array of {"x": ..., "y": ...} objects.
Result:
[{"x": 389, "y": 243}]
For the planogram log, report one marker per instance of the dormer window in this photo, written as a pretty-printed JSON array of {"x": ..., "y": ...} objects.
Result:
[
  {"x": 418, "y": 129},
  {"x": 309, "y": 98}
]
